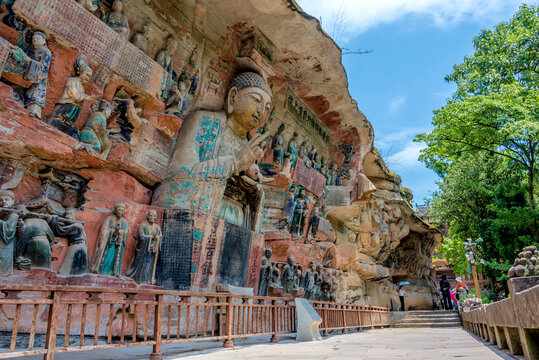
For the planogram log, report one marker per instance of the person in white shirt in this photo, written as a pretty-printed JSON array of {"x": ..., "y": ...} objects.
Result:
[{"x": 401, "y": 296}]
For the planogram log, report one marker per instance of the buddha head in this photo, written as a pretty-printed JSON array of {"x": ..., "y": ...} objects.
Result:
[
  {"x": 151, "y": 216},
  {"x": 39, "y": 39},
  {"x": 248, "y": 102}
]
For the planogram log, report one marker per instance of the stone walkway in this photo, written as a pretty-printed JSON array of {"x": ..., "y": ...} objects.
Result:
[{"x": 419, "y": 343}]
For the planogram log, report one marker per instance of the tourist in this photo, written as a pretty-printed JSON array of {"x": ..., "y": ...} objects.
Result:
[
  {"x": 444, "y": 287},
  {"x": 402, "y": 293},
  {"x": 461, "y": 290}
]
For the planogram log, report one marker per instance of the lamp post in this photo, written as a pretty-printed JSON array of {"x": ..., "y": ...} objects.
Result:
[{"x": 470, "y": 255}]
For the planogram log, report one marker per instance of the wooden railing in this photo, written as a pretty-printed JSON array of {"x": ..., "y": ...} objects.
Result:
[
  {"x": 85, "y": 318},
  {"x": 511, "y": 323},
  {"x": 342, "y": 316}
]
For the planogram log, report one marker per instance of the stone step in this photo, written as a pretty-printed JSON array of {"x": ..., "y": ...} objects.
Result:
[
  {"x": 427, "y": 320},
  {"x": 427, "y": 312},
  {"x": 434, "y": 324}
]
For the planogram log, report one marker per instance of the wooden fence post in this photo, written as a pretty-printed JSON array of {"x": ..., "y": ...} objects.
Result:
[
  {"x": 343, "y": 308},
  {"x": 228, "y": 331},
  {"x": 274, "y": 339},
  {"x": 325, "y": 317},
  {"x": 158, "y": 318},
  {"x": 52, "y": 324}
]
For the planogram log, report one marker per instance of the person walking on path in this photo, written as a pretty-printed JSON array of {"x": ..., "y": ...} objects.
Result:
[
  {"x": 444, "y": 287},
  {"x": 461, "y": 290},
  {"x": 402, "y": 293}
]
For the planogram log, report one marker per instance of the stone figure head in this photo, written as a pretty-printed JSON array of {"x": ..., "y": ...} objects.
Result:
[
  {"x": 267, "y": 253},
  {"x": 290, "y": 260},
  {"x": 333, "y": 165},
  {"x": 39, "y": 39},
  {"x": 119, "y": 210},
  {"x": 248, "y": 102},
  {"x": 172, "y": 45},
  {"x": 151, "y": 216},
  {"x": 147, "y": 30},
  {"x": 102, "y": 106},
  {"x": 312, "y": 266},
  {"x": 281, "y": 129},
  {"x": 7, "y": 198},
  {"x": 117, "y": 6}
]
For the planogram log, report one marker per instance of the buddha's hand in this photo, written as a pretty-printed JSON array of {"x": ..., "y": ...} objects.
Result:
[{"x": 250, "y": 152}]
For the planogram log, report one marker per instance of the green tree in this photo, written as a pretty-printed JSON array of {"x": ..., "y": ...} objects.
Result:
[{"x": 494, "y": 109}]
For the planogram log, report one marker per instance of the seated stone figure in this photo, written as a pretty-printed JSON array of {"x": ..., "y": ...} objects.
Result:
[
  {"x": 67, "y": 108},
  {"x": 93, "y": 137},
  {"x": 212, "y": 147}
]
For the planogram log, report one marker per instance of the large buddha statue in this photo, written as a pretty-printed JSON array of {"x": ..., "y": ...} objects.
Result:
[{"x": 212, "y": 147}]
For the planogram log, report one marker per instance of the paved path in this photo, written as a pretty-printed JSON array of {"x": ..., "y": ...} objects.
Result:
[{"x": 387, "y": 344}]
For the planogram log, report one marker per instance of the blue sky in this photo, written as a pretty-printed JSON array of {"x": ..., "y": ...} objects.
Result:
[{"x": 415, "y": 44}]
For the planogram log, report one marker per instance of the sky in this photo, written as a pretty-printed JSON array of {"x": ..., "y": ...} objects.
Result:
[{"x": 414, "y": 44}]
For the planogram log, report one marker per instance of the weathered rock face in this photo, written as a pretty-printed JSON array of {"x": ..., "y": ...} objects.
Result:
[{"x": 183, "y": 135}]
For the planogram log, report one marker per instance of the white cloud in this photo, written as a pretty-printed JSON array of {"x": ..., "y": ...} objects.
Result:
[
  {"x": 396, "y": 138},
  {"x": 407, "y": 158},
  {"x": 396, "y": 103},
  {"x": 344, "y": 19}
]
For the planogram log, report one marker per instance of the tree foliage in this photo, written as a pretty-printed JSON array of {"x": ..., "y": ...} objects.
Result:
[{"x": 485, "y": 146}]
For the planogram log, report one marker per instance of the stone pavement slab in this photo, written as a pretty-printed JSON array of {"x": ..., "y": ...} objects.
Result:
[{"x": 420, "y": 343}]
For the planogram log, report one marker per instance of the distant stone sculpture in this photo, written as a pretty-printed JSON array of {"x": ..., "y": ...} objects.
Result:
[
  {"x": 293, "y": 148},
  {"x": 288, "y": 207},
  {"x": 275, "y": 281},
  {"x": 67, "y": 108},
  {"x": 206, "y": 153},
  {"x": 164, "y": 58},
  {"x": 144, "y": 264},
  {"x": 316, "y": 162},
  {"x": 278, "y": 146},
  {"x": 307, "y": 282},
  {"x": 76, "y": 259},
  {"x": 177, "y": 100},
  {"x": 265, "y": 273},
  {"x": 326, "y": 285},
  {"x": 110, "y": 243},
  {"x": 327, "y": 260},
  {"x": 93, "y": 135},
  {"x": 526, "y": 264},
  {"x": 288, "y": 275},
  {"x": 287, "y": 167},
  {"x": 117, "y": 20},
  {"x": 314, "y": 221},
  {"x": 93, "y": 6},
  {"x": 35, "y": 241},
  {"x": 298, "y": 277},
  {"x": 34, "y": 63},
  {"x": 304, "y": 154},
  {"x": 297, "y": 225},
  {"x": 142, "y": 39},
  {"x": 317, "y": 283},
  {"x": 8, "y": 231},
  {"x": 332, "y": 174}
]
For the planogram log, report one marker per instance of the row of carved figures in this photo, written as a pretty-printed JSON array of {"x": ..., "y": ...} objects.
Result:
[
  {"x": 286, "y": 157},
  {"x": 32, "y": 58},
  {"x": 27, "y": 231},
  {"x": 315, "y": 283}
]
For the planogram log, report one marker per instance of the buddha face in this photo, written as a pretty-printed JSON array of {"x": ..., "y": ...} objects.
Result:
[
  {"x": 119, "y": 211},
  {"x": 38, "y": 40},
  {"x": 152, "y": 215},
  {"x": 6, "y": 201},
  {"x": 248, "y": 108},
  {"x": 117, "y": 6},
  {"x": 172, "y": 45}
]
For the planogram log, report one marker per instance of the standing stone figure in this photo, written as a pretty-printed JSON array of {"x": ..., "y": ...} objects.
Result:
[
  {"x": 288, "y": 207},
  {"x": 317, "y": 283},
  {"x": 67, "y": 108},
  {"x": 293, "y": 149},
  {"x": 164, "y": 58},
  {"x": 93, "y": 135},
  {"x": 275, "y": 280},
  {"x": 76, "y": 260},
  {"x": 308, "y": 279},
  {"x": 304, "y": 154},
  {"x": 278, "y": 146},
  {"x": 35, "y": 65},
  {"x": 144, "y": 264},
  {"x": 142, "y": 39},
  {"x": 8, "y": 232},
  {"x": 265, "y": 273},
  {"x": 213, "y": 147},
  {"x": 298, "y": 278},
  {"x": 301, "y": 212},
  {"x": 110, "y": 243},
  {"x": 287, "y": 167},
  {"x": 287, "y": 277},
  {"x": 315, "y": 220},
  {"x": 117, "y": 20},
  {"x": 325, "y": 287}
]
